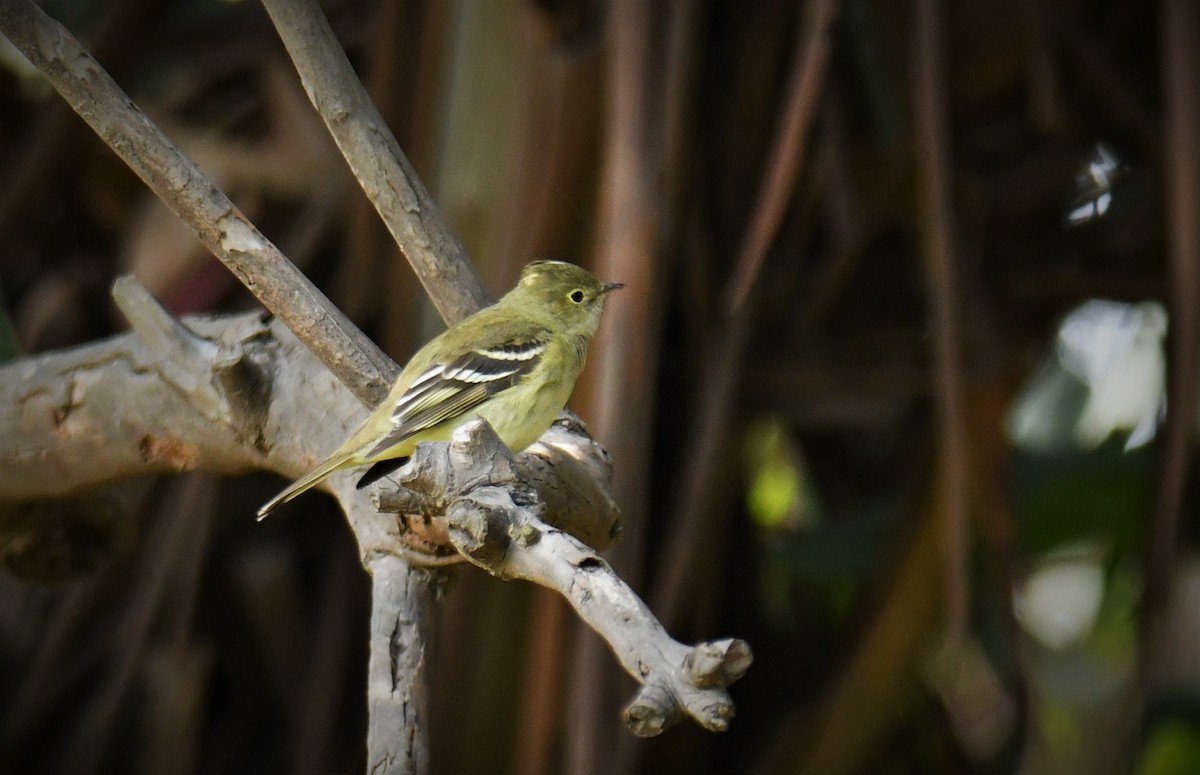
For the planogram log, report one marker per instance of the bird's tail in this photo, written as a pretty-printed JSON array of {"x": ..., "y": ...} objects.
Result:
[{"x": 311, "y": 479}]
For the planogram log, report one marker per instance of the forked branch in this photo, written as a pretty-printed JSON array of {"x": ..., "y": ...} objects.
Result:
[{"x": 239, "y": 393}]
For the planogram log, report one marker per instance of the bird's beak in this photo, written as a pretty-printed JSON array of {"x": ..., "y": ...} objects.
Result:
[{"x": 610, "y": 287}]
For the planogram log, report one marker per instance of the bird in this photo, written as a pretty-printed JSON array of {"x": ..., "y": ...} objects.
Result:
[{"x": 513, "y": 364}]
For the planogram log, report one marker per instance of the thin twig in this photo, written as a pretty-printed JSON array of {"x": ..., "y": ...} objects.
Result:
[
  {"x": 264, "y": 270},
  {"x": 936, "y": 242},
  {"x": 624, "y": 357},
  {"x": 1182, "y": 121},
  {"x": 788, "y": 149},
  {"x": 691, "y": 520},
  {"x": 372, "y": 152}
]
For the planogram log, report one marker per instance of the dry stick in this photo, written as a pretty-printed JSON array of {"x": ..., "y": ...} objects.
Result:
[
  {"x": 373, "y": 154},
  {"x": 628, "y": 347},
  {"x": 1182, "y": 121},
  {"x": 80, "y": 78},
  {"x": 264, "y": 270},
  {"x": 683, "y": 40},
  {"x": 506, "y": 536},
  {"x": 366, "y": 267},
  {"x": 781, "y": 172},
  {"x": 935, "y": 230},
  {"x": 397, "y": 740},
  {"x": 627, "y": 215},
  {"x": 355, "y": 360},
  {"x": 787, "y": 152},
  {"x": 638, "y": 153},
  {"x": 410, "y": 215},
  {"x": 562, "y": 114}
]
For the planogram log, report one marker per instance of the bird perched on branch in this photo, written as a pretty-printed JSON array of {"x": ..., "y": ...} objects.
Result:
[{"x": 513, "y": 364}]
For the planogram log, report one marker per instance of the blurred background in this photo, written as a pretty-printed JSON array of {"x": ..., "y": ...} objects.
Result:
[{"x": 909, "y": 286}]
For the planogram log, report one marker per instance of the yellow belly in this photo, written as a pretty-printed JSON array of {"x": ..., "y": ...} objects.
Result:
[{"x": 539, "y": 407}]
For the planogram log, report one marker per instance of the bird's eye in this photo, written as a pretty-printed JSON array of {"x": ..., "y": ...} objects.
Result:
[{"x": 576, "y": 296}]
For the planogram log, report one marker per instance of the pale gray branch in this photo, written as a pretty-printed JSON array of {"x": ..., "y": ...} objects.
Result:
[
  {"x": 265, "y": 271},
  {"x": 372, "y": 152},
  {"x": 181, "y": 356},
  {"x": 566, "y": 473},
  {"x": 499, "y": 527},
  {"x": 274, "y": 280},
  {"x": 396, "y": 696},
  {"x": 168, "y": 396},
  {"x": 215, "y": 393}
]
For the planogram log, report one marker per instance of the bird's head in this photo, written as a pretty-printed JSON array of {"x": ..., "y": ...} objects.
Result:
[{"x": 562, "y": 296}]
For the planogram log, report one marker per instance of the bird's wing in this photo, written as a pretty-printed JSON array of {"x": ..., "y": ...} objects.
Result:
[{"x": 446, "y": 390}]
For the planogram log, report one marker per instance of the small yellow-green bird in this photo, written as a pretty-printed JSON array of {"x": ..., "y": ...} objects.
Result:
[{"x": 514, "y": 364}]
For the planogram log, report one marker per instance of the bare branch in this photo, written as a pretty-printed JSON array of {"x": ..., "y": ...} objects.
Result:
[
  {"x": 407, "y": 209},
  {"x": 206, "y": 393},
  {"x": 934, "y": 204},
  {"x": 264, "y": 270},
  {"x": 182, "y": 357},
  {"x": 498, "y": 525},
  {"x": 178, "y": 395},
  {"x": 166, "y": 397},
  {"x": 565, "y": 474},
  {"x": 210, "y": 393},
  {"x": 396, "y": 697}
]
